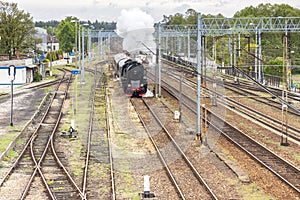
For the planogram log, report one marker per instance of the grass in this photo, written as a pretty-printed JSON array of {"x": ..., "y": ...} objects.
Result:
[
  {"x": 12, "y": 154},
  {"x": 13, "y": 128},
  {"x": 297, "y": 156},
  {"x": 78, "y": 168},
  {"x": 231, "y": 158},
  {"x": 228, "y": 116},
  {"x": 253, "y": 191},
  {"x": 252, "y": 130},
  {"x": 50, "y": 182},
  {"x": 65, "y": 127},
  {"x": 59, "y": 188},
  {"x": 127, "y": 190},
  {"x": 100, "y": 113},
  {"x": 5, "y": 140},
  {"x": 81, "y": 124},
  {"x": 101, "y": 170}
]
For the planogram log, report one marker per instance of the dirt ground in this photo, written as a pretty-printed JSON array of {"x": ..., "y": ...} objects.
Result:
[{"x": 25, "y": 103}]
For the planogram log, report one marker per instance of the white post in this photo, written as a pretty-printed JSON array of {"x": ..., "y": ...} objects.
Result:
[{"x": 146, "y": 186}]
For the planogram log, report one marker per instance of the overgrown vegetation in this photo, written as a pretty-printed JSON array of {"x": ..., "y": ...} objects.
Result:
[{"x": 37, "y": 77}]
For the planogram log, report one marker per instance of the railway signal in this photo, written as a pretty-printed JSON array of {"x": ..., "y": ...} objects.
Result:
[{"x": 11, "y": 76}]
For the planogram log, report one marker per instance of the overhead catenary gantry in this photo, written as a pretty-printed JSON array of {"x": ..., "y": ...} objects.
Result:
[
  {"x": 214, "y": 27},
  {"x": 217, "y": 27},
  {"x": 225, "y": 26}
]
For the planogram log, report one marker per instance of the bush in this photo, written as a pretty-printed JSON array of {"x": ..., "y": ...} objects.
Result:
[
  {"x": 46, "y": 60},
  {"x": 37, "y": 77}
]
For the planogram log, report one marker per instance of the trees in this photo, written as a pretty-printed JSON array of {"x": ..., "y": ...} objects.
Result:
[
  {"x": 272, "y": 42},
  {"x": 16, "y": 27},
  {"x": 66, "y": 34},
  {"x": 190, "y": 17},
  {"x": 268, "y": 10},
  {"x": 179, "y": 18}
]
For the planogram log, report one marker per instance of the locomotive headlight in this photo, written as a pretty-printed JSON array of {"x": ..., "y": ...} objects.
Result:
[
  {"x": 129, "y": 85},
  {"x": 142, "y": 85}
]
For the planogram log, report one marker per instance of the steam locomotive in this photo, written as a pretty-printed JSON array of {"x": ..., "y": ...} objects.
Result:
[{"x": 131, "y": 73}]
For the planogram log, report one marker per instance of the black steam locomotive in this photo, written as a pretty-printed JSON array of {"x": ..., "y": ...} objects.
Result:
[{"x": 131, "y": 74}]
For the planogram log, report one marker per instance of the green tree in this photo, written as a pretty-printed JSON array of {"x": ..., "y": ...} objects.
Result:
[
  {"x": 272, "y": 42},
  {"x": 177, "y": 19},
  {"x": 274, "y": 67},
  {"x": 16, "y": 27},
  {"x": 65, "y": 33},
  {"x": 191, "y": 16},
  {"x": 268, "y": 10}
]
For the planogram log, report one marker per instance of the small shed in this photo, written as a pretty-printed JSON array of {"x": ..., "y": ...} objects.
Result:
[{"x": 25, "y": 71}]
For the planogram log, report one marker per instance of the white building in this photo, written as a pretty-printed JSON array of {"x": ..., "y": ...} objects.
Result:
[
  {"x": 49, "y": 42},
  {"x": 24, "y": 72},
  {"x": 52, "y": 43}
]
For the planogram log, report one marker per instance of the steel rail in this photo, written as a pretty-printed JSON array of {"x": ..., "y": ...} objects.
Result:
[
  {"x": 246, "y": 150},
  {"x": 295, "y": 131},
  {"x": 55, "y": 154},
  {"x": 37, "y": 170},
  {"x": 159, "y": 152},
  {"x": 37, "y": 164},
  {"x": 113, "y": 193},
  {"x": 87, "y": 158},
  {"x": 182, "y": 154},
  {"x": 50, "y": 141},
  {"x": 28, "y": 143},
  {"x": 254, "y": 156}
]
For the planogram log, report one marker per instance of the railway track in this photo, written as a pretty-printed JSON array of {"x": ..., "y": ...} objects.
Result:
[
  {"x": 244, "y": 88},
  {"x": 98, "y": 177},
  {"x": 287, "y": 172},
  {"x": 242, "y": 83},
  {"x": 264, "y": 100},
  {"x": 264, "y": 119},
  {"x": 180, "y": 169},
  {"x": 276, "y": 90},
  {"x": 42, "y": 174}
]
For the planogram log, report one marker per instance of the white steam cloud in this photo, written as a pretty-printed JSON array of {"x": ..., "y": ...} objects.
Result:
[{"x": 136, "y": 27}]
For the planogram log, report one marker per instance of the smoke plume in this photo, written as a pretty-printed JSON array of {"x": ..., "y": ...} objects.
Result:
[{"x": 136, "y": 28}]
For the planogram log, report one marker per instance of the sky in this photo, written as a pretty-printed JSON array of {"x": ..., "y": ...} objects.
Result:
[{"x": 110, "y": 10}]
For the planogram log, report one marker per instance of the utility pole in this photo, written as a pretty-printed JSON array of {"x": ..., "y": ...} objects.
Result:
[
  {"x": 199, "y": 63},
  {"x": 82, "y": 61},
  {"x": 51, "y": 48}
]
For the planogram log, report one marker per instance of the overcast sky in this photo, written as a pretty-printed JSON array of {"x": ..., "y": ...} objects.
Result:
[{"x": 110, "y": 10}]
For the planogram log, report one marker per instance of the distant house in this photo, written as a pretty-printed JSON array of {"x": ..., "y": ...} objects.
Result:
[
  {"x": 52, "y": 43},
  {"x": 49, "y": 42}
]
